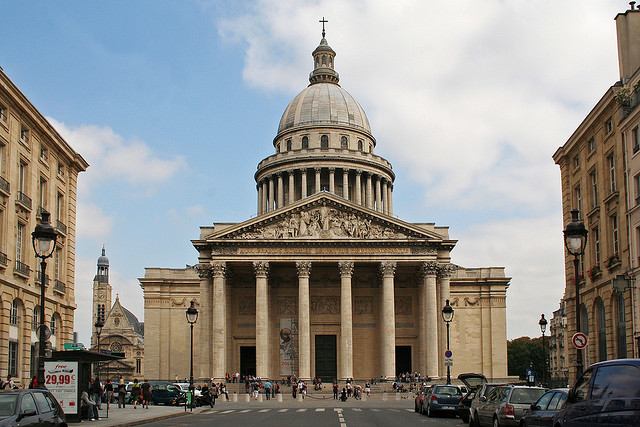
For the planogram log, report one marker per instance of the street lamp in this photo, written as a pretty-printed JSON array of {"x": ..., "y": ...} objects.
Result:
[
  {"x": 575, "y": 240},
  {"x": 447, "y": 316},
  {"x": 543, "y": 327},
  {"x": 192, "y": 318},
  {"x": 99, "y": 325},
  {"x": 43, "y": 239}
]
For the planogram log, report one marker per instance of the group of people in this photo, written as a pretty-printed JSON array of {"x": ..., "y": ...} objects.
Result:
[
  {"x": 232, "y": 378},
  {"x": 96, "y": 393},
  {"x": 255, "y": 386},
  {"x": 350, "y": 390},
  {"x": 9, "y": 384}
]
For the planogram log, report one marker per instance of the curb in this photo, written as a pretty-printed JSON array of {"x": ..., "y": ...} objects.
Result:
[{"x": 154, "y": 419}]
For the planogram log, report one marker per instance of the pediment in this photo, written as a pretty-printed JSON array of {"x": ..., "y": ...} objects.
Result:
[{"x": 324, "y": 216}]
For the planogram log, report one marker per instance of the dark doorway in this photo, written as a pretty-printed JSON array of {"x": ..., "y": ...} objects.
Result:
[
  {"x": 326, "y": 358},
  {"x": 247, "y": 361},
  {"x": 403, "y": 359}
]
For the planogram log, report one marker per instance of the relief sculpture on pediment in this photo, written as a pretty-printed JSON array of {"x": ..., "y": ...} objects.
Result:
[{"x": 326, "y": 223}]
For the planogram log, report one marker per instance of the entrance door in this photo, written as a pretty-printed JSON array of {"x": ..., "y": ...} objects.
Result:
[
  {"x": 326, "y": 358},
  {"x": 403, "y": 359},
  {"x": 248, "y": 361}
]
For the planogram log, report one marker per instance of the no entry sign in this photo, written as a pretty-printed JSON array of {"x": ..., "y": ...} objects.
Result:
[{"x": 579, "y": 340}]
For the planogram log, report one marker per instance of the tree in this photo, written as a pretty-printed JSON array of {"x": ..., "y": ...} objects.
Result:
[{"x": 521, "y": 353}]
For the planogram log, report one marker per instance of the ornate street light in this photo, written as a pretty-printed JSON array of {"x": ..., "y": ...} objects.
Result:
[
  {"x": 99, "y": 325},
  {"x": 44, "y": 242},
  {"x": 447, "y": 316},
  {"x": 192, "y": 318},
  {"x": 575, "y": 240},
  {"x": 543, "y": 327}
]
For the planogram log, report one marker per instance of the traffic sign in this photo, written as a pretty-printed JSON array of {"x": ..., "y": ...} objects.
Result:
[
  {"x": 448, "y": 362},
  {"x": 579, "y": 340},
  {"x": 47, "y": 332},
  {"x": 448, "y": 354}
]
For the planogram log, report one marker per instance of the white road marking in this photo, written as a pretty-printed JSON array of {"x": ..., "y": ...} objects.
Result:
[
  {"x": 375, "y": 410},
  {"x": 409, "y": 410},
  {"x": 357, "y": 409},
  {"x": 319, "y": 409},
  {"x": 283, "y": 410},
  {"x": 343, "y": 424},
  {"x": 244, "y": 411},
  {"x": 337, "y": 409},
  {"x": 264, "y": 410},
  {"x": 227, "y": 412},
  {"x": 302, "y": 410}
]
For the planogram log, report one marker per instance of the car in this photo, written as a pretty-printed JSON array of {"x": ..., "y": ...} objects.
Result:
[
  {"x": 478, "y": 398},
  {"x": 441, "y": 399},
  {"x": 505, "y": 405},
  {"x": 608, "y": 393},
  {"x": 419, "y": 400},
  {"x": 543, "y": 411},
  {"x": 472, "y": 382},
  {"x": 33, "y": 407},
  {"x": 184, "y": 387},
  {"x": 166, "y": 393}
]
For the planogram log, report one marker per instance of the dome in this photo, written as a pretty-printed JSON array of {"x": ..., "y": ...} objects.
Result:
[
  {"x": 103, "y": 260},
  {"x": 324, "y": 104}
]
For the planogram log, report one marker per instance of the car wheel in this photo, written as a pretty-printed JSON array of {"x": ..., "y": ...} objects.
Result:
[
  {"x": 429, "y": 413},
  {"x": 496, "y": 423}
]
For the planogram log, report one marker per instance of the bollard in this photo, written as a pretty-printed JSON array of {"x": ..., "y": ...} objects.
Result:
[
  {"x": 235, "y": 397},
  {"x": 247, "y": 397},
  {"x": 397, "y": 396},
  {"x": 260, "y": 397},
  {"x": 384, "y": 396},
  {"x": 364, "y": 397},
  {"x": 279, "y": 397},
  {"x": 300, "y": 397}
]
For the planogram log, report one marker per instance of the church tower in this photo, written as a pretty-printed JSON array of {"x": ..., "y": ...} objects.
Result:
[{"x": 101, "y": 294}]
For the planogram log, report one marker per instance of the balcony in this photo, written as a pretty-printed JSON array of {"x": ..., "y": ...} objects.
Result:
[
  {"x": 38, "y": 275},
  {"x": 59, "y": 286},
  {"x": 22, "y": 269},
  {"x": 61, "y": 227},
  {"x": 24, "y": 200},
  {"x": 5, "y": 187},
  {"x": 4, "y": 261}
]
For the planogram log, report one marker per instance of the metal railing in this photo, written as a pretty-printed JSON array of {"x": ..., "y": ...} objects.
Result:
[
  {"x": 22, "y": 268},
  {"x": 4, "y": 185},
  {"x": 39, "y": 275},
  {"x": 61, "y": 227},
  {"x": 3, "y": 259},
  {"x": 24, "y": 200},
  {"x": 59, "y": 286}
]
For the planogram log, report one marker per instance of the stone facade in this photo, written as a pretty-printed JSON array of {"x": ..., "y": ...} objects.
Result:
[
  {"x": 38, "y": 170},
  {"x": 325, "y": 281}
]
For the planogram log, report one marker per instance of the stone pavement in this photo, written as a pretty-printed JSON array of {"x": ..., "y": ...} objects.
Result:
[{"x": 132, "y": 417}]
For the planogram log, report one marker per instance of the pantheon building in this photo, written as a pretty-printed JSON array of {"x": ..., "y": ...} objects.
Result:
[{"x": 325, "y": 281}]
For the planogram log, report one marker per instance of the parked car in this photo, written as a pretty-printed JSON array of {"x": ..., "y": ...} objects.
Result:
[
  {"x": 472, "y": 382},
  {"x": 505, "y": 405},
  {"x": 441, "y": 399},
  {"x": 543, "y": 411},
  {"x": 608, "y": 393},
  {"x": 184, "y": 387},
  {"x": 30, "y": 408},
  {"x": 166, "y": 393},
  {"x": 419, "y": 400},
  {"x": 478, "y": 398}
]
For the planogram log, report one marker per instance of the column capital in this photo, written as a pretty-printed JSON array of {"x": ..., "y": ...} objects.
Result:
[
  {"x": 346, "y": 268},
  {"x": 304, "y": 268},
  {"x": 446, "y": 270},
  {"x": 261, "y": 268},
  {"x": 388, "y": 268},
  {"x": 204, "y": 270},
  {"x": 358, "y": 171},
  {"x": 279, "y": 174},
  {"x": 332, "y": 170},
  {"x": 429, "y": 268},
  {"x": 218, "y": 269},
  {"x": 317, "y": 170},
  {"x": 303, "y": 171}
]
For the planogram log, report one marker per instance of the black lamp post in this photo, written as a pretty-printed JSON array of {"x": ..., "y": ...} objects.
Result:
[
  {"x": 543, "y": 328},
  {"x": 575, "y": 240},
  {"x": 43, "y": 239},
  {"x": 447, "y": 316},
  {"x": 192, "y": 318},
  {"x": 99, "y": 325}
]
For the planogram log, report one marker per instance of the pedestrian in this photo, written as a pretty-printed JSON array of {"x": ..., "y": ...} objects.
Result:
[
  {"x": 34, "y": 382},
  {"x": 223, "y": 390},
  {"x": 367, "y": 388},
  {"x": 294, "y": 390},
  {"x": 335, "y": 391},
  {"x": 122, "y": 392},
  {"x": 108, "y": 390},
  {"x": 92, "y": 409},
  {"x": 146, "y": 394},
  {"x": 135, "y": 393},
  {"x": 96, "y": 392},
  {"x": 343, "y": 395},
  {"x": 267, "y": 389}
]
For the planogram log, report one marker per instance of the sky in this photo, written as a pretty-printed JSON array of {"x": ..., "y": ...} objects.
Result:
[{"x": 174, "y": 103}]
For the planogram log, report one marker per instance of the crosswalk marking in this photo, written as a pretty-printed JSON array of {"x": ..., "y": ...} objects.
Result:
[
  {"x": 357, "y": 409},
  {"x": 227, "y": 412},
  {"x": 319, "y": 409},
  {"x": 395, "y": 410},
  {"x": 337, "y": 409},
  {"x": 375, "y": 410},
  {"x": 409, "y": 410},
  {"x": 302, "y": 410},
  {"x": 282, "y": 410},
  {"x": 244, "y": 411},
  {"x": 264, "y": 410}
]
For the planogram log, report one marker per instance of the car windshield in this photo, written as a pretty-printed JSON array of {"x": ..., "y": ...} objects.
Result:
[
  {"x": 526, "y": 395},
  {"x": 450, "y": 390},
  {"x": 8, "y": 404}
]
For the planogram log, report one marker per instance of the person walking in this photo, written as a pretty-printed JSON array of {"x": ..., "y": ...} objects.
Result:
[
  {"x": 135, "y": 393},
  {"x": 335, "y": 391},
  {"x": 267, "y": 389},
  {"x": 122, "y": 392},
  {"x": 34, "y": 382},
  {"x": 367, "y": 389},
  {"x": 96, "y": 392},
  {"x": 294, "y": 390},
  {"x": 108, "y": 391},
  {"x": 146, "y": 394}
]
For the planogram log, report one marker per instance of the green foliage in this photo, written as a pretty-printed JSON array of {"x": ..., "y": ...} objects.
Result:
[{"x": 523, "y": 351}]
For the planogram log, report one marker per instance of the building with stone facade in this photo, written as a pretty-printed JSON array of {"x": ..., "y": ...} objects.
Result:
[
  {"x": 558, "y": 345},
  {"x": 122, "y": 332},
  {"x": 600, "y": 177},
  {"x": 38, "y": 171},
  {"x": 325, "y": 281}
]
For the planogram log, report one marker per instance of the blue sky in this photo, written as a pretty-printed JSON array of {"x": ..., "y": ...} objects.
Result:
[{"x": 174, "y": 103}]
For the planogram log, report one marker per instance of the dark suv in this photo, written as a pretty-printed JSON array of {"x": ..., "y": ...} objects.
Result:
[
  {"x": 30, "y": 408},
  {"x": 608, "y": 393}
]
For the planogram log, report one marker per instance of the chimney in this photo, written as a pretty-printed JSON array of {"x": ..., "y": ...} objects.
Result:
[{"x": 628, "y": 30}]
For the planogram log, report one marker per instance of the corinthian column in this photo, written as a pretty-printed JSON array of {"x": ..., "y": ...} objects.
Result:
[
  {"x": 388, "y": 321},
  {"x": 358, "y": 187},
  {"x": 219, "y": 311},
  {"x": 390, "y": 197},
  {"x": 265, "y": 196},
  {"x": 332, "y": 180},
  {"x": 378, "y": 206},
  {"x": 429, "y": 326},
  {"x": 369, "y": 192},
  {"x": 204, "y": 271},
  {"x": 345, "y": 183},
  {"x": 317, "y": 179},
  {"x": 280, "y": 191},
  {"x": 346, "y": 320},
  {"x": 271, "y": 196},
  {"x": 292, "y": 188},
  {"x": 304, "y": 329},
  {"x": 303, "y": 182},
  {"x": 385, "y": 199},
  {"x": 261, "y": 269}
]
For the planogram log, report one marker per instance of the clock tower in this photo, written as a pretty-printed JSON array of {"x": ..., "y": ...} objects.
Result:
[{"x": 101, "y": 293}]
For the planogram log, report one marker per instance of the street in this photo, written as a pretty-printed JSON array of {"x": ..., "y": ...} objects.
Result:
[{"x": 310, "y": 414}]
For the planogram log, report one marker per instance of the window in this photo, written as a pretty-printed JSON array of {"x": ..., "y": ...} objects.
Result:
[
  {"x": 42, "y": 193},
  {"x": 611, "y": 163},
  {"x": 27, "y": 404},
  {"x": 596, "y": 245},
  {"x": 35, "y": 318},
  {"x": 543, "y": 402},
  {"x": 44, "y": 153},
  {"x": 60, "y": 207},
  {"x": 42, "y": 402},
  {"x": 58, "y": 264},
  {"x": 608, "y": 126},
  {"x": 24, "y": 135},
  {"x": 360, "y": 145},
  {"x": 22, "y": 177},
  {"x": 13, "y": 358},
  {"x": 557, "y": 402},
  {"x": 636, "y": 184},
  {"x": 635, "y": 139},
  {"x": 576, "y": 161},
  {"x": 344, "y": 143},
  {"x": 593, "y": 178},
  {"x": 138, "y": 366},
  {"x": 54, "y": 324},
  {"x": 591, "y": 144},
  {"x": 19, "y": 242},
  {"x": 577, "y": 198},
  {"x": 13, "y": 314},
  {"x": 324, "y": 142},
  {"x": 305, "y": 142},
  {"x": 616, "y": 381},
  {"x": 615, "y": 243},
  {"x": 60, "y": 169},
  {"x": 602, "y": 329},
  {"x": 621, "y": 330},
  {"x": 583, "y": 385},
  {"x": 3, "y": 113},
  {"x": 288, "y": 144}
]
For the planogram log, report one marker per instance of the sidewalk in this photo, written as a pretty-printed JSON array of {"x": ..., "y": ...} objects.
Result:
[{"x": 132, "y": 417}]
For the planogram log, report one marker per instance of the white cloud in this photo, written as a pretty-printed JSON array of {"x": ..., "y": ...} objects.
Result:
[
  {"x": 471, "y": 100},
  {"x": 92, "y": 221}
]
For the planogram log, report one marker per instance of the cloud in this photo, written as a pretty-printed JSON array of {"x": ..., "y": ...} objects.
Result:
[
  {"x": 92, "y": 221},
  {"x": 470, "y": 102}
]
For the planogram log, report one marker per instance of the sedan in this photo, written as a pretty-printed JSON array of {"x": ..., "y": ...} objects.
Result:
[
  {"x": 543, "y": 411},
  {"x": 30, "y": 408}
]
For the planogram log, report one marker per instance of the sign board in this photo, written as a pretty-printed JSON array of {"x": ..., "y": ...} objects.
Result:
[
  {"x": 61, "y": 379},
  {"x": 579, "y": 340},
  {"x": 73, "y": 346},
  {"x": 448, "y": 354},
  {"x": 448, "y": 362},
  {"x": 47, "y": 332}
]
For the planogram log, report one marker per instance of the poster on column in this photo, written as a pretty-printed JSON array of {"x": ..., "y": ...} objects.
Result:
[
  {"x": 61, "y": 378},
  {"x": 288, "y": 346}
]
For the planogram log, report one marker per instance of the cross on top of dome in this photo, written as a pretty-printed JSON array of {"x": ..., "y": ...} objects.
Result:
[{"x": 323, "y": 57}]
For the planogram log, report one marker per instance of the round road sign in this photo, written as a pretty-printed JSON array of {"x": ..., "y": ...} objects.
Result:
[
  {"x": 47, "y": 332},
  {"x": 579, "y": 340},
  {"x": 448, "y": 353}
]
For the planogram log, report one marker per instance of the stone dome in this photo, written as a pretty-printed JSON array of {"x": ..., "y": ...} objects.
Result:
[
  {"x": 103, "y": 260},
  {"x": 322, "y": 104}
]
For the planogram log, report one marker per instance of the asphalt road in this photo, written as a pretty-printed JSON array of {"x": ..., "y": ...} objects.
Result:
[{"x": 310, "y": 415}]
